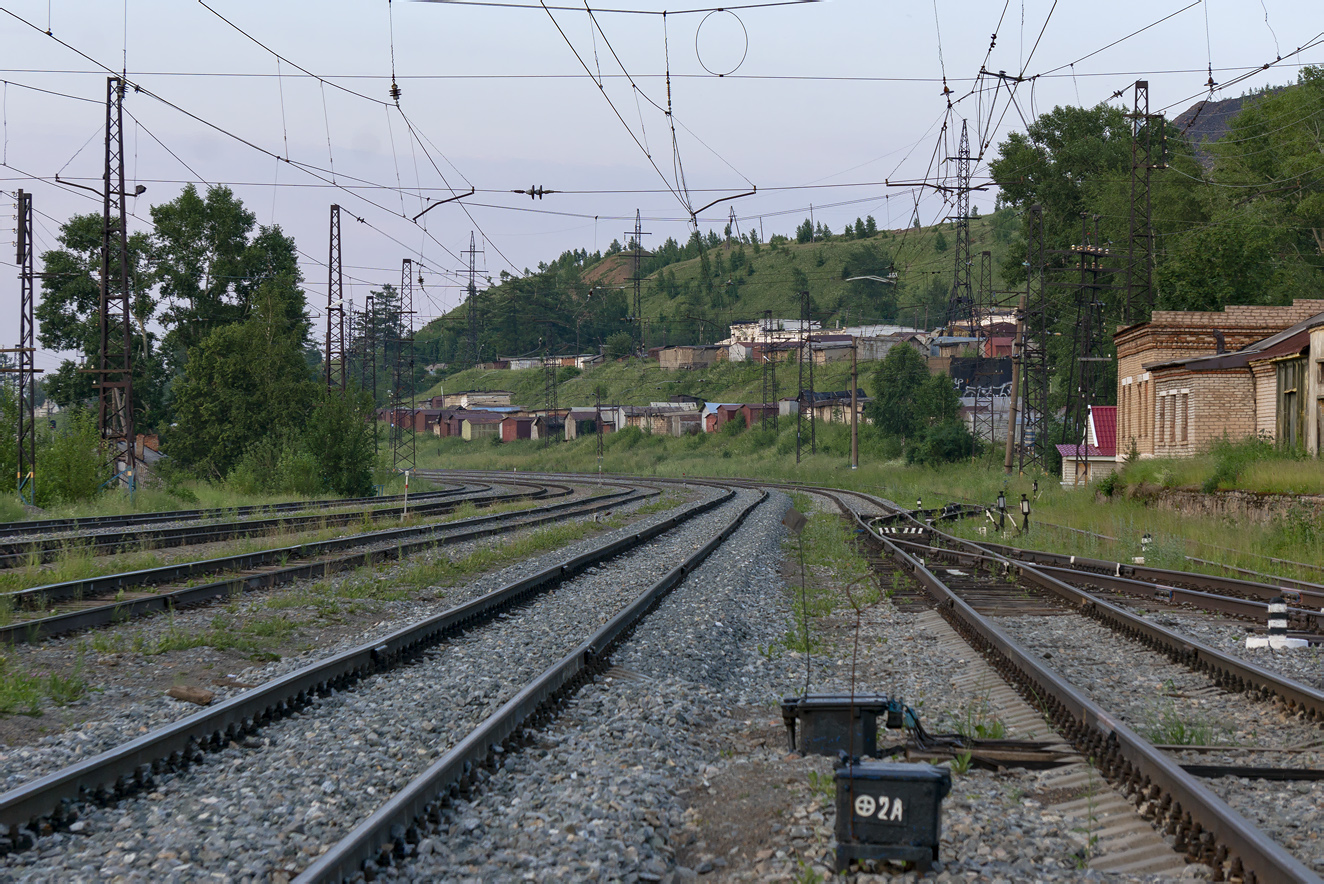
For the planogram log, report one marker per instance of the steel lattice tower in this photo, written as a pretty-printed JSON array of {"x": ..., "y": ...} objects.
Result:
[
  {"x": 1087, "y": 344},
  {"x": 805, "y": 397},
  {"x": 637, "y": 241},
  {"x": 115, "y": 368},
  {"x": 27, "y": 374},
  {"x": 1140, "y": 240},
  {"x": 403, "y": 449},
  {"x": 472, "y": 297},
  {"x": 335, "y": 310},
  {"x": 961, "y": 304},
  {"x": 1034, "y": 347}
]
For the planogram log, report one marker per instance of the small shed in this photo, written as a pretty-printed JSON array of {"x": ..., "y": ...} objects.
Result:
[
  {"x": 1083, "y": 464},
  {"x": 476, "y": 425},
  {"x": 517, "y": 427}
]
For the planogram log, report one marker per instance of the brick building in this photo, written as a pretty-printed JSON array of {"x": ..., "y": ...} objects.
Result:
[{"x": 1187, "y": 378}]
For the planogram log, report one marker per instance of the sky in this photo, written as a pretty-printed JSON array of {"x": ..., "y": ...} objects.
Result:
[{"x": 835, "y": 108}]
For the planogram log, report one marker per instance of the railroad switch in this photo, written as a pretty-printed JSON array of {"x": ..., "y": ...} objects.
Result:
[{"x": 834, "y": 723}]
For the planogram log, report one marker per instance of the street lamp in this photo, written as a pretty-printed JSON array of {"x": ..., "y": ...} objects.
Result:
[
  {"x": 1025, "y": 515},
  {"x": 1002, "y": 510}
]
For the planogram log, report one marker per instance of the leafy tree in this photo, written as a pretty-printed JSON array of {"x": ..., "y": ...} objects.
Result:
[
  {"x": 619, "y": 345},
  {"x": 908, "y": 400},
  {"x": 805, "y": 231},
  {"x": 68, "y": 317},
  {"x": 209, "y": 264}
]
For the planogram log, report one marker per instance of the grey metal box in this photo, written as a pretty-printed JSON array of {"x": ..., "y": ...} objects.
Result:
[{"x": 890, "y": 811}]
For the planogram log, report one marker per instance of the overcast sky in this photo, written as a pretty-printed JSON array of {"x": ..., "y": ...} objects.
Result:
[{"x": 827, "y": 101}]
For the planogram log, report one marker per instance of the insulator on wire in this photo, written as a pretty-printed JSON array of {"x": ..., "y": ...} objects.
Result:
[{"x": 395, "y": 91}]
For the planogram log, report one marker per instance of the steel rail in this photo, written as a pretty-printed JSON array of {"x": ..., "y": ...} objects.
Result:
[
  {"x": 1305, "y": 590},
  {"x": 48, "y": 549},
  {"x": 385, "y": 834},
  {"x": 120, "y": 611},
  {"x": 51, "y": 801},
  {"x": 1205, "y": 825},
  {"x": 91, "y": 587},
  {"x": 46, "y": 526},
  {"x": 1178, "y": 595}
]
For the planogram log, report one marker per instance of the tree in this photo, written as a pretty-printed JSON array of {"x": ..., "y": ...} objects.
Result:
[
  {"x": 898, "y": 382},
  {"x": 339, "y": 436},
  {"x": 805, "y": 231},
  {"x": 68, "y": 317},
  {"x": 209, "y": 265},
  {"x": 939, "y": 241},
  {"x": 245, "y": 381},
  {"x": 870, "y": 226},
  {"x": 618, "y": 345}
]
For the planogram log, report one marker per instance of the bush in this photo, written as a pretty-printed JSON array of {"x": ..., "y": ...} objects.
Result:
[
  {"x": 339, "y": 439},
  {"x": 942, "y": 443},
  {"x": 567, "y": 373},
  {"x": 1232, "y": 458},
  {"x": 72, "y": 464}
]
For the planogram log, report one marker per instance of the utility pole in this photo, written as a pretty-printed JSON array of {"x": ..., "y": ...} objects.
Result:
[
  {"x": 961, "y": 303},
  {"x": 637, "y": 241},
  {"x": 370, "y": 318},
  {"x": 1017, "y": 348},
  {"x": 472, "y": 293},
  {"x": 27, "y": 374},
  {"x": 115, "y": 369},
  {"x": 854, "y": 407},
  {"x": 550, "y": 367},
  {"x": 597, "y": 425},
  {"x": 402, "y": 443},
  {"x": 985, "y": 415},
  {"x": 335, "y": 310},
  {"x": 769, "y": 370}
]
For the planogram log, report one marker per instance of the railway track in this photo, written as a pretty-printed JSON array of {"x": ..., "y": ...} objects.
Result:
[
  {"x": 168, "y": 588},
  {"x": 557, "y": 627},
  {"x": 170, "y": 532},
  {"x": 37, "y": 527},
  {"x": 971, "y": 585},
  {"x": 984, "y": 595}
]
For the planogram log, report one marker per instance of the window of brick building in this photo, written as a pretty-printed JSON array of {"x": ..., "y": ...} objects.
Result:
[
  {"x": 1158, "y": 428},
  {"x": 1185, "y": 417}
]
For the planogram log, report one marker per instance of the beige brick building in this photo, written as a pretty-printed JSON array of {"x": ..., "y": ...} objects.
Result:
[{"x": 1186, "y": 378}]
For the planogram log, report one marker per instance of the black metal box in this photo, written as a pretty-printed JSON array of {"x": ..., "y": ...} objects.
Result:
[
  {"x": 890, "y": 811},
  {"x": 834, "y": 723}
]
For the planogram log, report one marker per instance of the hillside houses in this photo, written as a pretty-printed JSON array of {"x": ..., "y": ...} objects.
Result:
[{"x": 684, "y": 417}]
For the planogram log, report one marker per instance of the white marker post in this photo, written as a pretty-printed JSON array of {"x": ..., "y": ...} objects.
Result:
[
  {"x": 405, "y": 513},
  {"x": 1277, "y": 638}
]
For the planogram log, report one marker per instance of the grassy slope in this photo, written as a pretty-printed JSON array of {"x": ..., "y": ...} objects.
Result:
[{"x": 917, "y": 259}]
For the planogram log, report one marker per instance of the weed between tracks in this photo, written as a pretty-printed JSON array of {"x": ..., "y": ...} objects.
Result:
[
  {"x": 832, "y": 567},
  {"x": 22, "y": 692}
]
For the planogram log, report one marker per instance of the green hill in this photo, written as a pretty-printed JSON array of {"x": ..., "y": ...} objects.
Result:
[{"x": 691, "y": 293}]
